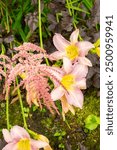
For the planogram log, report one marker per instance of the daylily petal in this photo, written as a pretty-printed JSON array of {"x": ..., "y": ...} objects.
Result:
[
  {"x": 67, "y": 65},
  {"x": 43, "y": 138},
  {"x": 18, "y": 132},
  {"x": 57, "y": 93},
  {"x": 74, "y": 36},
  {"x": 10, "y": 146},
  {"x": 7, "y": 135},
  {"x": 57, "y": 55},
  {"x": 84, "y": 61},
  {"x": 81, "y": 83},
  {"x": 84, "y": 47},
  {"x": 47, "y": 148},
  {"x": 75, "y": 98},
  {"x": 38, "y": 144},
  {"x": 80, "y": 70},
  {"x": 66, "y": 106},
  {"x": 60, "y": 42}
]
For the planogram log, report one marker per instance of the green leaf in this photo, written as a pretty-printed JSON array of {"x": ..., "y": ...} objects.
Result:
[
  {"x": 78, "y": 9},
  {"x": 22, "y": 34},
  {"x": 57, "y": 134},
  {"x": 91, "y": 122},
  {"x": 17, "y": 22},
  {"x": 88, "y": 4},
  {"x": 63, "y": 133},
  {"x": 97, "y": 43}
]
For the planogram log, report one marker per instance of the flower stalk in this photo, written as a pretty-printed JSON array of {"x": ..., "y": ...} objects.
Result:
[
  {"x": 21, "y": 105},
  {"x": 40, "y": 28}
]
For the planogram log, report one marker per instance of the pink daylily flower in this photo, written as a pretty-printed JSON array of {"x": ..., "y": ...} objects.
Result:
[
  {"x": 72, "y": 81},
  {"x": 73, "y": 49},
  {"x": 19, "y": 139}
]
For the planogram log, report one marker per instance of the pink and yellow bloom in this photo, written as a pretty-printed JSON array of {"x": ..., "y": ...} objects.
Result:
[
  {"x": 19, "y": 139},
  {"x": 72, "y": 80},
  {"x": 73, "y": 49}
]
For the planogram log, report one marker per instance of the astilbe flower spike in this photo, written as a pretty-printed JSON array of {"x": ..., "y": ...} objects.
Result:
[
  {"x": 2, "y": 73},
  {"x": 34, "y": 77},
  {"x": 19, "y": 139},
  {"x": 72, "y": 80},
  {"x": 30, "y": 47},
  {"x": 5, "y": 66},
  {"x": 74, "y": 50}
]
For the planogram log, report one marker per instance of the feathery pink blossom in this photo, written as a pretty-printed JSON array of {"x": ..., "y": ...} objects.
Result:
[
  {"x": 19, "y": 139},
  {"x": 29, "y": 47},
  {"x": 34, "y": 78},
  {"x": 73, "y": 49},
  {"x": 5, "y": 66}
]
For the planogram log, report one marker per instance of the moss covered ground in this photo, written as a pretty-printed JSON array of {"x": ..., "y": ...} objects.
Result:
[{"x": 63, "y": 135}]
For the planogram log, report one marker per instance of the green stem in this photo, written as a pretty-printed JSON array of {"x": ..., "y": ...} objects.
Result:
[
  {"x": 7, "y": 97},
  {"x": 67, "y": 124},
  {"x": 21, "y": 105},
  {"x": 70, "y": 13},
  {"x": 7, "y": 20},
  {"x": 40, "y": 29},
  {"x": 7, "y": 108},
  {"x": 3, "y": 51}
]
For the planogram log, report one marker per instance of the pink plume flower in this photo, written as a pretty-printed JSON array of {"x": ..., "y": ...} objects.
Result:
[
  {"x": 73, "y": 49},
  {"x": 19, "y": 139},
  {"x": 72, "y": 81},
  {"x": 29, "y": 47}
]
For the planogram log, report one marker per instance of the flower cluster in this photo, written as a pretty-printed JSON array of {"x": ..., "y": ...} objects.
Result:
[
  {"x": 68, "y": 80},
  {"x": 74, "y": 71},
  {"x": 36, "y": 77}
]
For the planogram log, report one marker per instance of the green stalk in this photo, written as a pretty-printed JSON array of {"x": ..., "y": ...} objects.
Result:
[
  {"x": 7, "y": 97},
  {"x": 7, "y": 20},
  {"x": 70, "y": 13},
  {"x": 7, "y": 109},
  {"x": 40, "y": 29},
  {"x": 21, "y": 105}
]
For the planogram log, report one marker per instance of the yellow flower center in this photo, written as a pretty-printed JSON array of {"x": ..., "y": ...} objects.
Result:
[
  {"x": 72, "y": 51},
  {"x": 24, "y": 144},
  {"x": 67, "y": 81}
]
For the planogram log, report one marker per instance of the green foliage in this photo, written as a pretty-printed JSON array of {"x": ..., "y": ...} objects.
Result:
[
  {"x": 61, "y": 146},
  {"x": 95, "y": 49},
  {"x": 47, "y": 1},
  {"x": 88, "y": 4},
  {"x": 12, "y": 17},
  {"x": 26, "y": 111},
  {"x": 77, "y": 7},
  {"x": 60, "y": 135},
  {"x": 58, "y": 63},
  {"x": 91, "y": 122}
]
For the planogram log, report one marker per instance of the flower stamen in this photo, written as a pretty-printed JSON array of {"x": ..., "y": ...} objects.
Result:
[
  {"x": 24, "y": 144},
  {"x": 67, "y": 81},
  {"x": 72, "y": 51}
]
